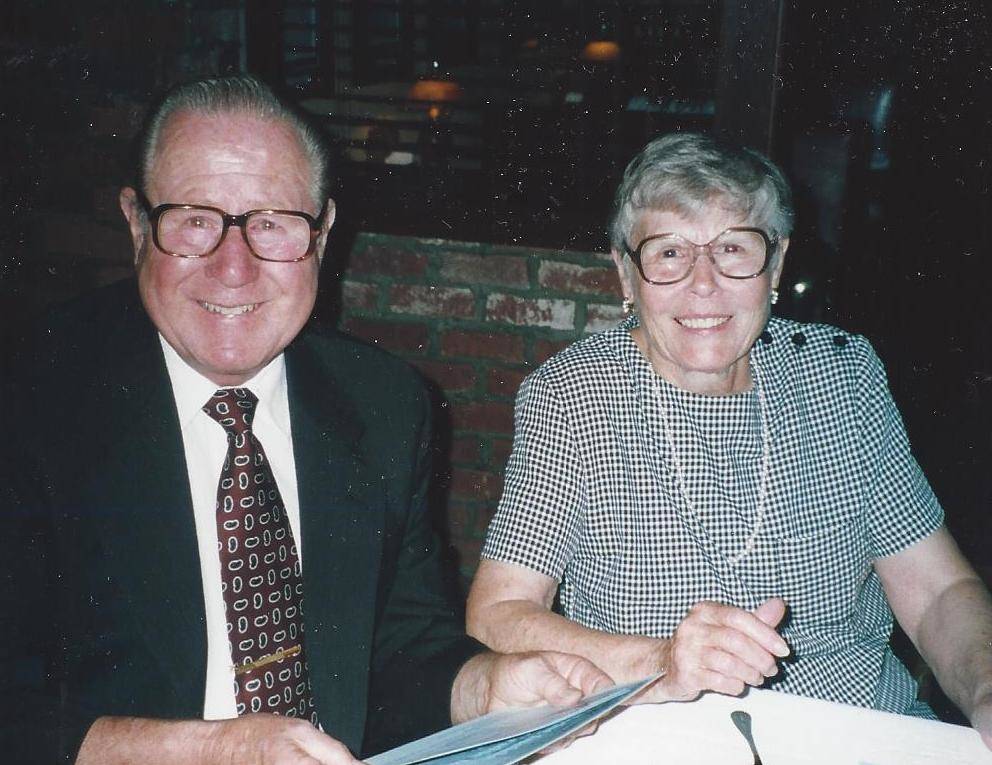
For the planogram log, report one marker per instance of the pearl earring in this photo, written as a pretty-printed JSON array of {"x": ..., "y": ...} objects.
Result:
[
  {"x": 628, "y": 306},
  {"x": 774, "y": 296}
]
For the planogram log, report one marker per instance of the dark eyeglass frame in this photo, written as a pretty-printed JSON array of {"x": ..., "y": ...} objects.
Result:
[
  {"x": 771, "y": 243},
  {"x": 155, "y": 213}
]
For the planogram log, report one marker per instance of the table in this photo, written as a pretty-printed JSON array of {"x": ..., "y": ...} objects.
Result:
[{"x": 788, "y": 730}]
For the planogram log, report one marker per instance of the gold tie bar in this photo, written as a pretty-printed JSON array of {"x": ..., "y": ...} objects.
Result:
[{"x": 282, "y": 653}]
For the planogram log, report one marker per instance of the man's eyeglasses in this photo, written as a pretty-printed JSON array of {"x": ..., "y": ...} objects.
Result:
[
  {"x": 737, "y": 253},
  {"x": 196, "y": 231}
]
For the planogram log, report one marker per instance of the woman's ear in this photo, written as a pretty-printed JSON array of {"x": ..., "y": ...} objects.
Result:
[{"x": 623, "y": 274}]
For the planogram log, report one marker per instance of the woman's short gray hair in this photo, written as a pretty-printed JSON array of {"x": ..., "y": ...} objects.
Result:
[
  {"x": 689, "y": 173},
  {"x": 224, "y": 95}
]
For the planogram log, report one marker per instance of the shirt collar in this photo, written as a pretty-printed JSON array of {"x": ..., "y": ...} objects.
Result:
[{"x": 192, "y": 390}]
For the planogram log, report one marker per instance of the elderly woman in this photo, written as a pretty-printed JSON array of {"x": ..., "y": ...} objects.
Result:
[{"x": 722, "y": 496}]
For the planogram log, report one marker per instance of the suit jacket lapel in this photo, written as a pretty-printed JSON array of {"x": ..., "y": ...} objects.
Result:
[
  {"x": 149, "y": 533},
  {"x": 341, "y": 522}
]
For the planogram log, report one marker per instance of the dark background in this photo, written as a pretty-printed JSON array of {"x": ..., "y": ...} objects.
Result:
[{"x": 878, "y": 111}]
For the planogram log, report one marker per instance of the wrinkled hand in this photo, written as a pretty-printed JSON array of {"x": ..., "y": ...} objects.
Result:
[
  {"x": 266, "y": 739},
  {"x": 981, "y": 718},
  {"x": 529, "y": 679},
  {"x": 491, "y": 681},
  {"x": 720, "y": 648}
]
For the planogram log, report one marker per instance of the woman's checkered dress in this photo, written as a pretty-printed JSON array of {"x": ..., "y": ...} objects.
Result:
[{"x": 591, "y": 499}]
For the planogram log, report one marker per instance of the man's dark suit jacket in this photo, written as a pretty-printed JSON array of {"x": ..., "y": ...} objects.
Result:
[{"x": 103, "y": 611}]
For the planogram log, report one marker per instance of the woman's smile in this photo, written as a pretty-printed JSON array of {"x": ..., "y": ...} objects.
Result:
[{"x": 701, "y": 322}]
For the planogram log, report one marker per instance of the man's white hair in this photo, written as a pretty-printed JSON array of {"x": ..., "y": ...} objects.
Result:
[{"x": 232, "y": 95}]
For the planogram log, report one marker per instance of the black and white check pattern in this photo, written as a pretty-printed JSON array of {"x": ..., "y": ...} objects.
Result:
[{"x": 590, "y": 499}]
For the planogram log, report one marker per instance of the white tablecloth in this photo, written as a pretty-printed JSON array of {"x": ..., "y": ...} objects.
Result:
[{"x": 788, "y": 730}]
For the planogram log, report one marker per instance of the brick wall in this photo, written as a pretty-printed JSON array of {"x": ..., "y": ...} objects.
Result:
[{"x": 475, "y": 319}]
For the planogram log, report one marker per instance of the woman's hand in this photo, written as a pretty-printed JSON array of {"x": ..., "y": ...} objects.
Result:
[
  {"x": 981, "y": 718},
  {"x": 720, "y": 648}
]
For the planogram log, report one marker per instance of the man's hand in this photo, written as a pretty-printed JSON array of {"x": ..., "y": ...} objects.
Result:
[
  {"x": 258, "y": 739},
  {"x": 720, "y": 648},
  {"x": 493, "y": 681},
  {"x": 267, "y": 738}
]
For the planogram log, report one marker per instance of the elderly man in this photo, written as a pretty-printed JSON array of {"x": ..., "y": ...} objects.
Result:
[{"x": 225, "y": 506}]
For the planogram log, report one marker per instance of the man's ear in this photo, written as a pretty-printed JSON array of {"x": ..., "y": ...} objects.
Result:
[
  {"x": 779, "y": 262},
  {"x": 330, "y": 210},
  {"x": 137, "y": 220}
]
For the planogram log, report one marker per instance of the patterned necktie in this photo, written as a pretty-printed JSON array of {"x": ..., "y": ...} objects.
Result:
[{"x": 261, "y": 578}]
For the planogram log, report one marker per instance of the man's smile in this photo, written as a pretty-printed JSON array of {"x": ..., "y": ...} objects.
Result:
[{"x": 228, "y": 310}]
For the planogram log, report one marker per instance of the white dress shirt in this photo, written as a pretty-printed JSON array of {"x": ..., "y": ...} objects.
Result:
[{"x": 205, "y": 445}]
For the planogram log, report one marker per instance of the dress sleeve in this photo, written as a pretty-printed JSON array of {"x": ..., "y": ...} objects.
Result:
[
  {"x": 540, "y": 513},
  {"x": 901, "y": 507}
]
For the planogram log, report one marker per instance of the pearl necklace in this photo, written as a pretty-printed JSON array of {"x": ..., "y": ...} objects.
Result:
[{"x": 764, "y": 473}]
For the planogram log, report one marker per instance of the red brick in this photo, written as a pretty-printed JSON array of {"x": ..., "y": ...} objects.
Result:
[
  {"x": 483, "y": 517},
  {"x": 602, "y": 316},
  {"x": 359, "y": 296},
  {"x": 545, "y": 349},
  {"x": 571, "y": 277},
  {"x": 499, "y": 453},
  {"x": 476, "y": 485},
  {"x": 484, "y": 269},
  {"x": 488, "y": 345},
  {"x": 433, "y": 301},
  {"x": 468, "y": 555},
  {"x": 469, "y": 521},
  {"x": 451, "y": 377},
  {"x": 461, "y": 519},
  {"x": 382, "y": 260},
  {"x": 504, "y": 382},
  {"x": 531, "y": 312},
  {"x": 486, "y": 417},
  {"x": 466, "y": 450},
  {"x": 397, "y": 337}
]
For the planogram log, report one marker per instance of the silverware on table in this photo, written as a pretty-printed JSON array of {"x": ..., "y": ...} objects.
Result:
[{"x": 743, "y": 722}]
